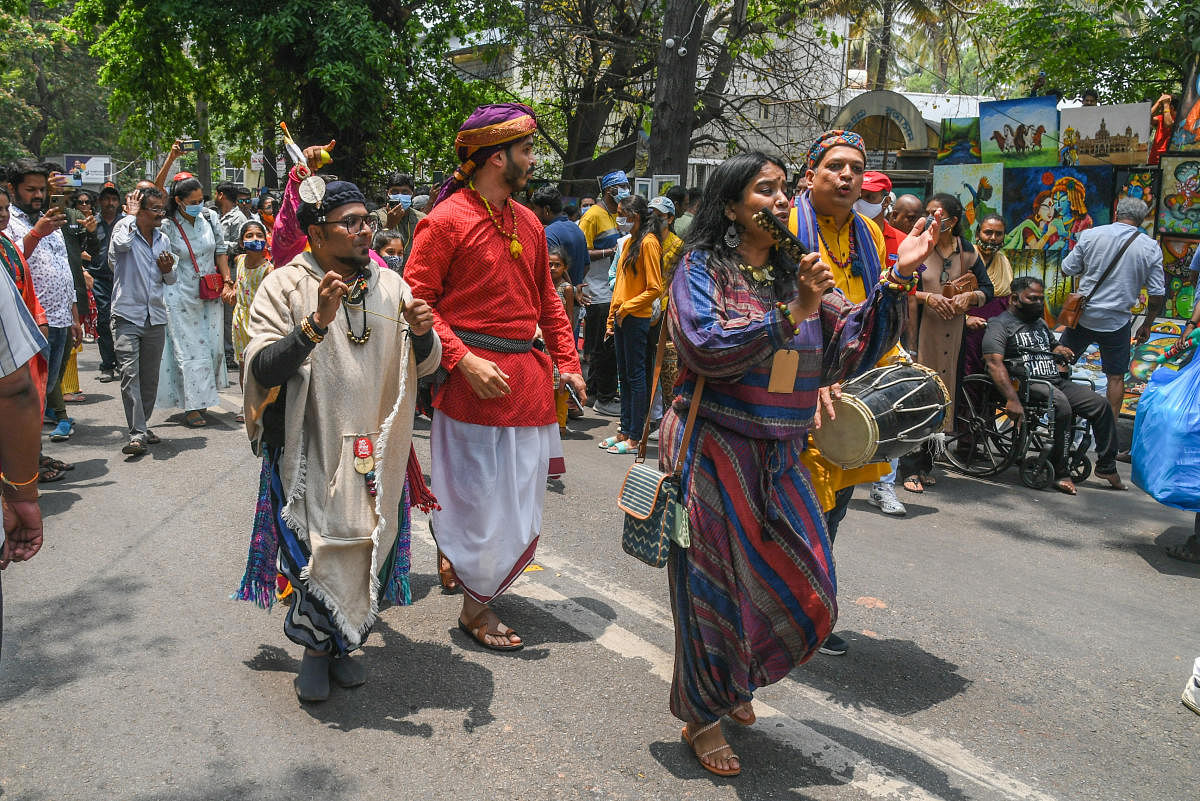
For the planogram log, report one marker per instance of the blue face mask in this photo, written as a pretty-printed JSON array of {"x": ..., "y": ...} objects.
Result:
[
  {"x": 622, "y": 194},
  {"x": 394, "y": 263},
  {"x": 254, "y": 245},
  {"x": 405, "y": 201},
  {"x": 194, "y": 210}
]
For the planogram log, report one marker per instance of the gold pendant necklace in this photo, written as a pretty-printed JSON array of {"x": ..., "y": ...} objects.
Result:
[
  {"x": 514, "y": 245},
  {"x": 762, "y": 275}
]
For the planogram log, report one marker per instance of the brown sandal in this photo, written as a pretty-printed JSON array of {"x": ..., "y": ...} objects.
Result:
[
  {"x": 478, "y": 630},
  {"x": 446, "y": 574},
  {"x": 691, "y": 741}
]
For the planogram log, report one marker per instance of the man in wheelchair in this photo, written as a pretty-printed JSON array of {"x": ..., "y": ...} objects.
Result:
[{"x": 1019, "y": 345}]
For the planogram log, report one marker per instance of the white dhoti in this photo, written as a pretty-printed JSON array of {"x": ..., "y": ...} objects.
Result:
[{"x": 490, "y": 482}]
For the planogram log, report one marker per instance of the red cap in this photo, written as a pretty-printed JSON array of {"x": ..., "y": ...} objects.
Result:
[
  {"x": 876, "y": 182},
  {"x": 183, "y": 176}
]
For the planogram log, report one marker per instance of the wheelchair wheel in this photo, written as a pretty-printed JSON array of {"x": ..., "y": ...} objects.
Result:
[
  {"x": 1036, "y": 474},
  {"x": 986, "y": 441},
  {"x": 1081, "y": 468}
]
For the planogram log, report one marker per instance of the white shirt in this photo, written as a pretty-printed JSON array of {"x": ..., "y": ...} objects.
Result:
[{"x": 49, "y": 268}]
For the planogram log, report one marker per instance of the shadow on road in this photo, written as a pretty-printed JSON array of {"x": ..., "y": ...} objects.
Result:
[
  {"x": 897, "y": 676},
  {"x": 74, "y": 635},
  {"x": 299, "y": 781},
  {"x": 1156, "y": 555},
  {"x": 403, "y": 677},
  {"x": 914, "y": 509},
  {"x": 905, "y": 764}
]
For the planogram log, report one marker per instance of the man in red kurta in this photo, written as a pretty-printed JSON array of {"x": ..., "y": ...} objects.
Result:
[{"x": 479, "y": 259}]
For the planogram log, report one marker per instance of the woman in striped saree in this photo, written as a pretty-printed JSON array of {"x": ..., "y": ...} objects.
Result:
[{"x": 754, "y": 595}]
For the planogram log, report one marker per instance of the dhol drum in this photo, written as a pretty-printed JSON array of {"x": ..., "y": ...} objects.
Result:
[{"x": 883, "y": 414}]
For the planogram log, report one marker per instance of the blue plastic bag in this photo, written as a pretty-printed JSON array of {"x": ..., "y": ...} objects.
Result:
[{"x": 1166, "y": 438}]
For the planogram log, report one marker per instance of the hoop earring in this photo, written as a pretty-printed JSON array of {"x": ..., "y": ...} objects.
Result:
[{"x": 732, "y": 238}]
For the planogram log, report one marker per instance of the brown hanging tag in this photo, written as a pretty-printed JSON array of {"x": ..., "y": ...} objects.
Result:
[{"x": 785, "y": 366}]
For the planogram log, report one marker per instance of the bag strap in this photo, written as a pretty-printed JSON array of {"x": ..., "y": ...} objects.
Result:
[
  {"x": 1112, "y": 265},
  {"x": 693, "y": 408},
  {"x": 187, "y": 242}
]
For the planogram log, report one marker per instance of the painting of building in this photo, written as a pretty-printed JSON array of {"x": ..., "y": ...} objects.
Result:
[
  {"x": 1093, "y": 135},
  {"x": 1020, "y": 133}
]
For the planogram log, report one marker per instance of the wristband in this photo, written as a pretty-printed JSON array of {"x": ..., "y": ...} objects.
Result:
[
  {"x": 19, "y": 484},
  {"x": 309, "y": 328},
  {"x": 787, "y": 315}
]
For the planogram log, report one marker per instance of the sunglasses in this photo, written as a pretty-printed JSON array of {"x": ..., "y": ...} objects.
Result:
[{"x": 353, "y": 223}]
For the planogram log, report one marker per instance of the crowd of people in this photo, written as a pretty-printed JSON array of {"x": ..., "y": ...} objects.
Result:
[{"x": 504, "y": 320}]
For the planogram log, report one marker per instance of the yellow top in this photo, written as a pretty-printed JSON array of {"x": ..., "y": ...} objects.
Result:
[
  {"x": 827, "y": 477},
  {"x": 634, "y": 294}
]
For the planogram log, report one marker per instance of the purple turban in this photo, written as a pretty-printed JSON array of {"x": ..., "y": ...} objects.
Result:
[{"x": 487, "y": 130}]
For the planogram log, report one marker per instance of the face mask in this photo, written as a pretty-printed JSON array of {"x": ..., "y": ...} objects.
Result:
[
  {"x": 254, "y": 245},
  {"x": 394, "y": 263},
  {"x": 1029, "y": 312},
  {"x": 194, "y": 210},
  {"x": 624, "y": 225},
  {"x": 269, "y": 219},
  {"x": 621, "y": 195},
  {"x": 868, "y": 210},
  {"x": 987, "y": 248},
  {"x": 405, "y": 201}
]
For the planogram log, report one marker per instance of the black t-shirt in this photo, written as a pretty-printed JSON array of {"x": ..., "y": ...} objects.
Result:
[{"x": 1009, "y": 336}]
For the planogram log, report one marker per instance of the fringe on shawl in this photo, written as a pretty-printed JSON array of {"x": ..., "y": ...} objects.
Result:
[
  {"x": 397, "y": 590},
  {"x": 258, "y": 582},
  {"x": 422, "y": 496}
]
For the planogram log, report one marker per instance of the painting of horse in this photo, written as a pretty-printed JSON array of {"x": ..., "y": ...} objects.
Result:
[{"x": 1020, "y": 133}]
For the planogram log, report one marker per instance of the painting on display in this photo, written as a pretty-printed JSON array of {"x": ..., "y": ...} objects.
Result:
[
  {"x": 1143, "y": 183},
  {"x": 1047, "y": 209},
  {"x": 1020, "y": 133},
  {"x": 1179, "y": 209},
  {"x": 1046, "y": 266},
  {"x": 978, "y": 187},
  {"x": 1118, "y": 134},
  {"x": 959, "y": 141},
  {"x": 1180, "y": 280},
  {"x": 1186, "y": 137}
]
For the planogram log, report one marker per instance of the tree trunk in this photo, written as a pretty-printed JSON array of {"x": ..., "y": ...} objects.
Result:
[
  {"x": 885, "y": 46},
  {"x": 270, "y": 175},
  {"x": 203, "y": 159},
  {"x": 675, "y": 91}
]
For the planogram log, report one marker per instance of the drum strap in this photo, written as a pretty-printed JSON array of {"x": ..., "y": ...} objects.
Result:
[{"x": 659, "y": 355}]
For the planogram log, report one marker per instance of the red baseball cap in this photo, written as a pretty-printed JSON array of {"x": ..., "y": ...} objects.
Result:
[
  {"x": 876, "y": 182},
  {"x": 183, "y": 176}
]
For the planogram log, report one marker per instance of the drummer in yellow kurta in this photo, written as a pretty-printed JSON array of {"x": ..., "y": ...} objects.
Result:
[{"x": 824, "y": 218}]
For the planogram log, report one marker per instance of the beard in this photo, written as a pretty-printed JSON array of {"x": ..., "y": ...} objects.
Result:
[{"x": 514, "y": 176}]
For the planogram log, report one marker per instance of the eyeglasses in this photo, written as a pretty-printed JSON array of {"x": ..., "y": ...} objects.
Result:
[
  {"x": 353, "y": 223},
  {"x": 157, "y": 212}
]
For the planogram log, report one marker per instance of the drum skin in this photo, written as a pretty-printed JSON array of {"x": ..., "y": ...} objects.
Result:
[{"x": 883, "y": 414}]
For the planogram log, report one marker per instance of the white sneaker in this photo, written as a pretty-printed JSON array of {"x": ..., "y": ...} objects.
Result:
[
  {"x": 884, "y": 497},
  {"x": 1191, "y": 695}
]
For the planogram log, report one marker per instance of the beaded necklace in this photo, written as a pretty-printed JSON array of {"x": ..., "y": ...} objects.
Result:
[
  {"x": 514, "y": 245},
  {"x": 357, "y": 294},
  {"x": 851, "y": 264}
]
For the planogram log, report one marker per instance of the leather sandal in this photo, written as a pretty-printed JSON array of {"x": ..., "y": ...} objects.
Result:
[
  {"x": 478, "y": 631},
  {"x": 446, "y": 574},
  {"x": 700, "y": 757},
  {"x": 743, "y": 714}
]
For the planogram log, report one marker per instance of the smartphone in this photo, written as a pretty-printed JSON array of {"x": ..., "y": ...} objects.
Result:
[
  {"x": 58, "y": 202},
  {"x": 189, "y": 145}
]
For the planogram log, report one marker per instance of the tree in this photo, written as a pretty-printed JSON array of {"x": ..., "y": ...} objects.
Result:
[
  {"x": 368, "y": 73},
  {"x": 1127, "y": 50},
  {"x": 50, "y": 101}
]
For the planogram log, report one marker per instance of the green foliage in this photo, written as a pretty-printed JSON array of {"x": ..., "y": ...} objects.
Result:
[
  {"x": 369, "y": 73},
  {"x": 1127, "y": 50}
]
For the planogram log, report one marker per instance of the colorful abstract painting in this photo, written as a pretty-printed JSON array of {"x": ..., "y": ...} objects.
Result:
[
  {"x": 1020, "y": 133},
  {"x": 1117, "y": 135},
  {"x": 1047, "y": 208},
  {"x": 1180, "y": 280},
  {"x": 979, "y": 187},
  {"x": 1179, "y": 209},
  {"x": 1186, "y": 137},
  {"x": 959, "y": 141},
  {"x": 1143, "y": 183}
]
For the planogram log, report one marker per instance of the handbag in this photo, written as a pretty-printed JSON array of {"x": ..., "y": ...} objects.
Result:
[
  {"x": 967, "y": 282},
  {"x": 211, "y": 284},
  {"x": 652, "y": 500},
  {"x": 1075, "y": 302}
]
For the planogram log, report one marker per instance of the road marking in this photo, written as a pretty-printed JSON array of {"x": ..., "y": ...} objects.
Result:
[{"x": 872, "y": 780}]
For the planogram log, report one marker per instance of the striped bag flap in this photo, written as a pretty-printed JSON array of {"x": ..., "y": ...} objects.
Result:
[{"x": 639, "y": 492}]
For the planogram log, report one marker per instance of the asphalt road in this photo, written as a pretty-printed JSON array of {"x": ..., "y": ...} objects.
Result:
[{"x": 1004, "y": 644}]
